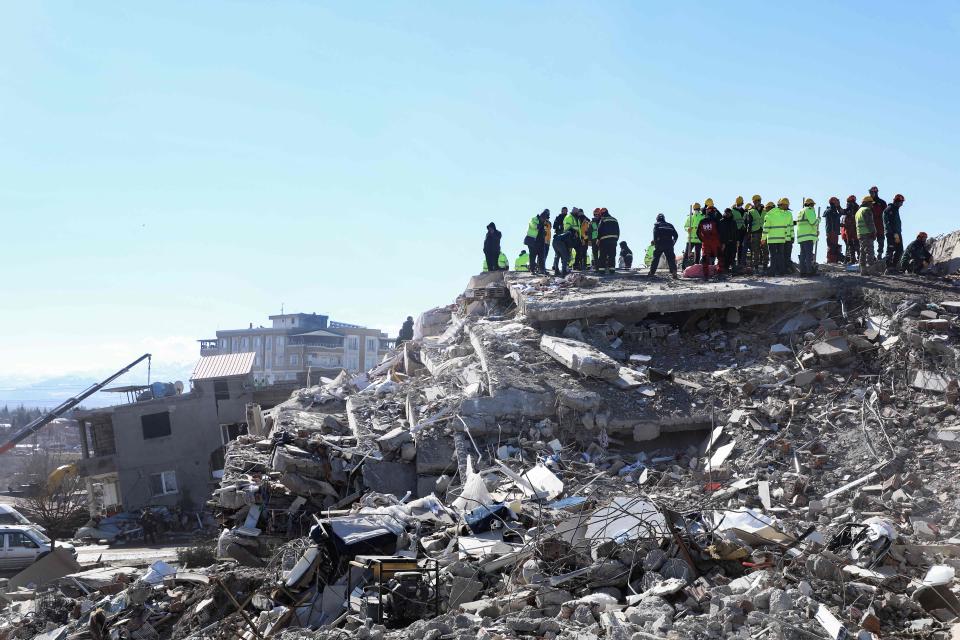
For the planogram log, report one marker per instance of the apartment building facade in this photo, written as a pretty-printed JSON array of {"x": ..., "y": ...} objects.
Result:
[{"x": 296, "y": 343}]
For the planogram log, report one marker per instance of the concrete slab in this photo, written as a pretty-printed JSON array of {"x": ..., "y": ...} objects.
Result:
[{"x": 636, "y": 296}]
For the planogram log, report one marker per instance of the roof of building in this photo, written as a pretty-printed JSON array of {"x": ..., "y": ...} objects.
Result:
[
  {"x": 321, "y": 333},
  {"x": 223, "y": 366}
]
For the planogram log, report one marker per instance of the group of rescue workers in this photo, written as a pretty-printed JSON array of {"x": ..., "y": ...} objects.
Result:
[{"x": 757, "y": 236}]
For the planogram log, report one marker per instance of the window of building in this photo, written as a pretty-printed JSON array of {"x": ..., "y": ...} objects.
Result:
[
  {"x": 294, "y": 360},
  {"x": 352, "y": 362},
  {"x": 256, "y": 342},
  {"x": 236, "y": 344},
  {"x": 223, "y": 343},
  {"x": 155, "y": 425},
  {"x": 279, "y": 342},
  {"x": 280, "y": 360},
  {"x": 256, "y": 361},
  {"x": 372, "y": 344},
  {"x": 163, "y": 483},
  {"x": 229, "y": 432},
  {"x": 353, "y": 343},
  {"x": 221, "y": 390},
  {"x": 268, "y": 341},
  {"x": 244, "y": 344}
]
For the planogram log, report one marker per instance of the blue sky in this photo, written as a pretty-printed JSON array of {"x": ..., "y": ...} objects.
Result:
[{"x": 173, "y": 168}]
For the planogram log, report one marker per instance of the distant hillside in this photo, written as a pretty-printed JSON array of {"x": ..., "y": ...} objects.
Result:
[{"x": 51, "y": 391}]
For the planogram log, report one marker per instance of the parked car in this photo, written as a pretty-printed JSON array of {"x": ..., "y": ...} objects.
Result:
[
  {"x": 22, "y": 545},
  {"x": 9, "y": 515}
]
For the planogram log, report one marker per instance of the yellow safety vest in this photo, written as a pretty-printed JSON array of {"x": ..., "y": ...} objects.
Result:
[
  {"x": 522, "y": 263},
  {"x": 807, "y": 225},
  {"x": 778, "y": 226},
  {"x": 693, "y": 221}
]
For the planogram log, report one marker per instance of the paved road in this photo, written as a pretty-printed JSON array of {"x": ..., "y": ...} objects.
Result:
[{"x": 125, "y": 555}]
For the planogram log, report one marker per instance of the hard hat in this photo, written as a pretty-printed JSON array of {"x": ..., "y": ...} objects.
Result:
[
  {"x": 783, "y": 202},
  {"x": 696, "y": 206},
  {"x": 867, "y": 199},
  {"x": 749, "y": 206},
  {"x": 739, "y": 200},
  {"x": 708, "y": 202},
  {"x": 808, "y": 202},
  {"x": 768, "y": 206},
  {"x": 898, "y": 197},
  {"x": 851, "y": 198},
  {"x": 834, "y": 200},
  {"x": 756, "y": 198},
  {"x": 922, "y": 235},
  {"x": 660, "y": 217}
]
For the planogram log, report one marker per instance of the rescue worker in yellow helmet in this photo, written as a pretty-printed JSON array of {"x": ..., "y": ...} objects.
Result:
[
  {"x": 693, "y": 242},
  {"x": 808, "y": 227},
  {"x": 866, "y": 232},
  {"x": 784, "y": 203},
  {"x": 758, "y": 249},
  {"x": 738, "y": 212},
  {"x": 777, "y": 230}
]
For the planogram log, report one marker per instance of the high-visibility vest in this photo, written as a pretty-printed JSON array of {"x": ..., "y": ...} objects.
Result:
[
  {"x": 778, "y": 226},
  {"x": 571, "y": 222},
  {"x": 594, "y": 229},
  {"x": 502, "y": 261},
  {"x": 533, "y": 229},
  {"x": 597, "y": 232},
  {"x": 693, "y": 221},
  {"x": 807, "y": 225},
  {"x": 522, "y": 263},
  {"x": 547, "y": 228},
  {"x": 865, "y": 226},
  {"x": 649, "y": 257},
  {"x": 738, "y": 218},
  {"x": 757, "y": 223}
]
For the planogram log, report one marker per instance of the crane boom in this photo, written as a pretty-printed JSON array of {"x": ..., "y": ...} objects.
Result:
[{"x": 65, "y": 406}]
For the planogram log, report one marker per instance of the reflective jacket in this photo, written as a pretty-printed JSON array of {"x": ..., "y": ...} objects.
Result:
[
  {"x": 522, "y": 263},
  {"x": 571, "y": 222},
  {"x": 865, "y": 226},
  {"x": 535, "y": 228},
  {"x": 756, "y": 220},
  {"x": 891, "y": 220},
  {"x": 502, "y": 262},
  {"x": 738, "y": 217},
  {"x": 595, "y": 228},
  {"x": 778, "y": 226},
  {"x": 807, "y": 226},
  {"x": 547, "y": 231},
  {"x": 607, "y": 228},
  {"x": 585, "y": 225},
  {"x": 647, "y": 259},
  {"x": 693, "y": 223}
]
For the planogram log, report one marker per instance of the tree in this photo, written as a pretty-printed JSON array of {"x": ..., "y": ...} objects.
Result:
[{"x": 60, "y": 506}]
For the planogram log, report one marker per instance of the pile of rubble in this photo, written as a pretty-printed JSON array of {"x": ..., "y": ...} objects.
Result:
[{"x": 781, "y": 469}]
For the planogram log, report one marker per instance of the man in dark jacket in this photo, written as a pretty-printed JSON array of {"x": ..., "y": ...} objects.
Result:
[
  {"x": 892, "y": 228},
  {"x": 664, "y": 239},
  {"x": 729, "y": 234},
  {"x": 916, "y": 258},
  {"x": 608, "y": 233},
  {"x": 879, "y": 204},
  {"x": 558, "y": 228},
  {"x": 831, "y": 218},
  {"x": 626, "y": 255},
  {"x": 849, "y": 231},
  {"x": 406, "y": 331},
  {"x": 491, "y": 247}
]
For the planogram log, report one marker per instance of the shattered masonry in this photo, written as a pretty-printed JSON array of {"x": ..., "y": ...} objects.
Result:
[{"x": 588, "y": 458}]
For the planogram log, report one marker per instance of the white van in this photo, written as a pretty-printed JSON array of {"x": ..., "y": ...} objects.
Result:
[
  {"x": 9, "y": 515},
  {"x": 22, "y": 545}
]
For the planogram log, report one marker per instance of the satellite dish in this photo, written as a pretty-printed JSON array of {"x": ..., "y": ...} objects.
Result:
[{"x": 178, "y": 386}]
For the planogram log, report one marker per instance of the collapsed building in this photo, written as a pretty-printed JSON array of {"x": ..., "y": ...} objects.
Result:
[{"x": 593, "y": 457}]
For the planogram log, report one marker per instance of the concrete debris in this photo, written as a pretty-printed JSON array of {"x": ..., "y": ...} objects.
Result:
[{"x": 751, "y": 461}]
